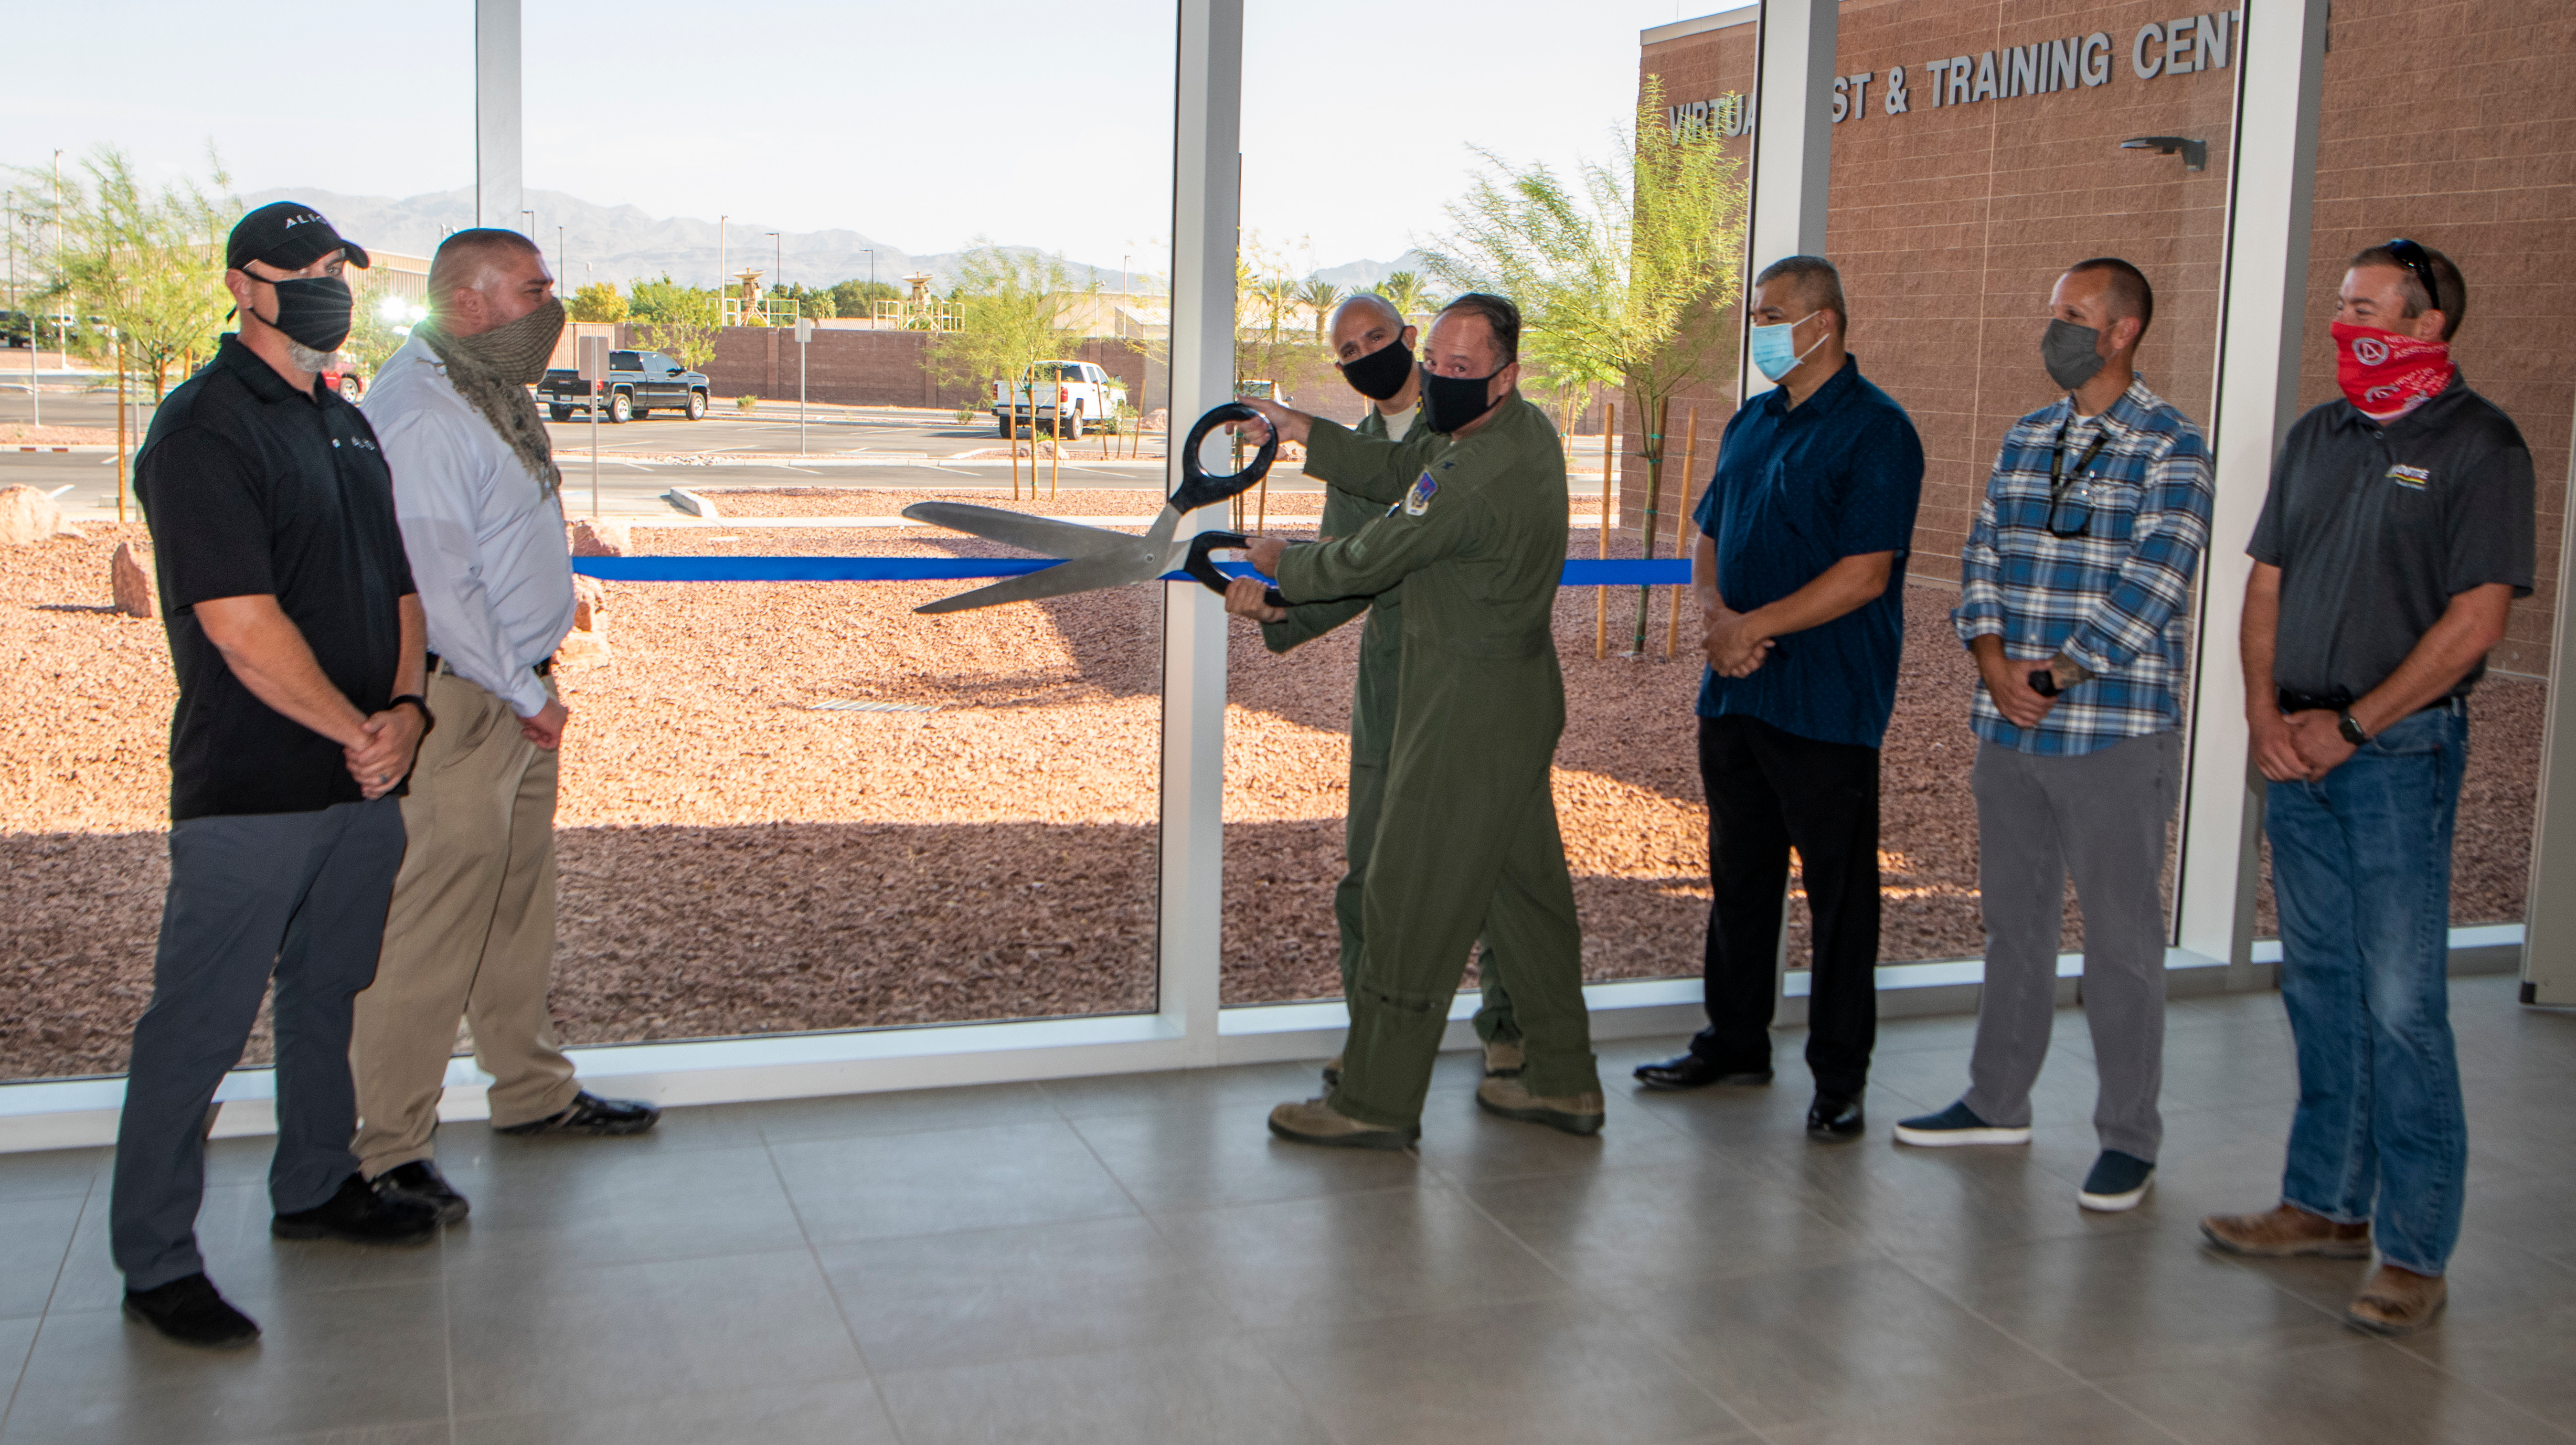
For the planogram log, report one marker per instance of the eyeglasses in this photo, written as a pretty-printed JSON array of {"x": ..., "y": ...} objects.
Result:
[
  {"x": 2416, "y": 259},
  {"x": 2059, "y": 492}
]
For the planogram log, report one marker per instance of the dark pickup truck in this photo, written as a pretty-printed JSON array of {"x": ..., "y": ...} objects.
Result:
[{"x": 639, "y": 383}]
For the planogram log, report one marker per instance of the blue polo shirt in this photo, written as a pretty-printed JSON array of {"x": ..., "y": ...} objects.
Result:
[{"x": 1795, "y": 492}]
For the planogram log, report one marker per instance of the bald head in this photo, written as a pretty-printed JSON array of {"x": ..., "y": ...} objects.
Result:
[{"x": 486, "y": 277}]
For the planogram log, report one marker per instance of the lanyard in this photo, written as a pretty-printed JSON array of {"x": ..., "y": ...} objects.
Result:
[{"x": 2057, "y": 477}]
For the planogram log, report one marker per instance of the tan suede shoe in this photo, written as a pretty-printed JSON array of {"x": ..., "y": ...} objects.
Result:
[
  {"x": 2287, "y": 1230},
  {"x": 1314, "y": 1122},
  {"x": 2397, "y": 1301},
  {"x": 1574, "y": 1113},
  {"x": 1503, "y": 1058}
]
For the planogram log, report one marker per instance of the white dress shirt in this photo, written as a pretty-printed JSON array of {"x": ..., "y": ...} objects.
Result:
[{"x": 488, "y": 550}]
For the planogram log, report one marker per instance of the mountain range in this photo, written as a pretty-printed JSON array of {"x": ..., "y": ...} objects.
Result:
[{"x": 621, "y": 243}]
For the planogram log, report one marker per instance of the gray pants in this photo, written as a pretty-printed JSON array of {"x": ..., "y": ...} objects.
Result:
[
  {"x": 2102, "y": 818},
  {"x": 298, "y": 895}
]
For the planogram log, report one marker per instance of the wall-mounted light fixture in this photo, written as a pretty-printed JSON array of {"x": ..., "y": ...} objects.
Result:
[{"x": 2194, "y": 153}]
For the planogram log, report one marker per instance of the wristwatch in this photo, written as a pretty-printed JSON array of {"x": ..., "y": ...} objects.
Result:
[
  {"x": 428, "y": 719},
  {"x": 2351, "y": 729}
]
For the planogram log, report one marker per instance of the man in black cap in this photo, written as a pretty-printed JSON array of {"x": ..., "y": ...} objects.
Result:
[{"x": 298, "y": 643}]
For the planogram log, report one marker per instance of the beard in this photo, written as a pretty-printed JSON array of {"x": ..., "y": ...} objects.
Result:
[{"x": 305, "y": 358}]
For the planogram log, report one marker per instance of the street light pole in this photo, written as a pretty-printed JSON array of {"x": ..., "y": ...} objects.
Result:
[
  {"x": 778, "y": 264},
  {"x": 559, "y": 255},
  {"x": 720, "y": 267},
  {"x": 62, "y": 319}
]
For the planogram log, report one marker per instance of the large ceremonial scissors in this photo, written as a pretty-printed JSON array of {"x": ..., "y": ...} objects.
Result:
[{"x": 1096, "y": 557}]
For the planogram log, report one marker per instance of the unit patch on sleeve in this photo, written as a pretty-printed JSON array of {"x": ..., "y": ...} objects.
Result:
[
  {"x": 2413, "y": 479},
  {"x": 1418, "y": 501}
]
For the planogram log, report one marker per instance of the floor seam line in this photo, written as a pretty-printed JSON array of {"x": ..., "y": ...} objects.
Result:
[{"x": 840, "y": 1309}]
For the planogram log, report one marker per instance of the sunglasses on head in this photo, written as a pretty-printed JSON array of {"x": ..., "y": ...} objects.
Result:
[{"x": 2414, "y": 258}]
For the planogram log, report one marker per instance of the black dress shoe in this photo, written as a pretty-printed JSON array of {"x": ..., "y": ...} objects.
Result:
[
  {"x": 359, "y": 1215},
  {"x": 591, "y": 1114},
  {"x": 420, "y": 1182},
  {"x": 1833, "y": 1117},
  {"x": 1691, "y": 1071},
  {"x": 189, "y": 1311}
]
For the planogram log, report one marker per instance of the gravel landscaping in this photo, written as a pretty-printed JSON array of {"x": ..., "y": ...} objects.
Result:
[{"x": 737, "y": 859}]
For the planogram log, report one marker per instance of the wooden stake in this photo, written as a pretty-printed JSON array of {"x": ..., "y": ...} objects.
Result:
[
  {"x": 120, "y": 429},
  {"x": 1011, "y": 425},
  {"x": 1601, "y": 595},
  {"x": 1681, "y": 531},
  {"x": 1055, "y": 459}
]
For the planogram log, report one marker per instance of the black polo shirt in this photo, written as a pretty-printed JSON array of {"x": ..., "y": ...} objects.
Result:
[
  {"x": 2376, "y": 526},
  {"x": 253, "y": 488}
]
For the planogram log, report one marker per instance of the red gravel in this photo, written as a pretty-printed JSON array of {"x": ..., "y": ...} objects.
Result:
[{"x": 735, "y": 861}]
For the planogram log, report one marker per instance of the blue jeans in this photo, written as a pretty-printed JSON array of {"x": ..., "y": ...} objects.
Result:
[{"x": 2361, "y": 865}]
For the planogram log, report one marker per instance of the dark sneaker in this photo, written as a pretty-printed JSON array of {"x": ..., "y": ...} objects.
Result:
[
  {"x": 2118, "y": 1182},
  {"x": 1956, "y": 1125},
  {"x": 420, "y": 1182},
  {"x": 189, "y": 1311},
  {"x": 359, "y": 1215},
  {"x": 593, "y": 1115}
]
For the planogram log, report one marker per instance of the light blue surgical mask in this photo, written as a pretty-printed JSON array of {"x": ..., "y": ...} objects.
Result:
[{"x": 1775, "y": 355}]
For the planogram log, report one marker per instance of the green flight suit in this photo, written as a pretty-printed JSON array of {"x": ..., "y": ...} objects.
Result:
[
  {"x": 1467, "y": 840},
  {"x": 1372, "y": 728}
]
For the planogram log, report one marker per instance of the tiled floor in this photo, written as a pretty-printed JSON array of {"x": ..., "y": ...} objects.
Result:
[{"x": 1133, "y": 1260}]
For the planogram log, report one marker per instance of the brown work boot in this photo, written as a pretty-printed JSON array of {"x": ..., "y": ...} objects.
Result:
[
  {"x": 1574, "y": 1113},
  {"x": 2397, "y": 1301},
  {"x": 1503, "y": 1058},
  {"x": 2287, "y": 1230},
  {"x": 1314, "y": 1122}
]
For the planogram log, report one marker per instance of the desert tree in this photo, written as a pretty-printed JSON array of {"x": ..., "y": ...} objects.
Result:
[
  {"x": 1404, "y": 291},
  {"x": 683, "y": 321},
  {"x": 1320, "y": 296},
  {"x": 598, "y": 301},
  {"x": 1623, "y": 275},
  {"x": 146, "y": 264},
  {"x": 1011, "y": 313}
]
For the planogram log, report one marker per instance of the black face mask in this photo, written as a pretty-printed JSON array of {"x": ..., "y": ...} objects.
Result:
[
  {"x": 2067, "y": 350},
  {"x": 1450, "y": 402},
  {"x": 1381, "y": 373},
  {"x": 312, "y": 310}
]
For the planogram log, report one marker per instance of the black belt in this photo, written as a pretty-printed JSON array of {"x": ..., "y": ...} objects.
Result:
[
  {"x": 2293, "y": 700},
  {"x": 542, "y": 669}
]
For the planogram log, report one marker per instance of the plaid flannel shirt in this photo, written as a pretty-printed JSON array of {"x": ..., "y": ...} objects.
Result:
[{"x": 2115, "y": 597}]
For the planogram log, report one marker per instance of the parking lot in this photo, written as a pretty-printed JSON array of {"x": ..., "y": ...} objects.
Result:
[{"x": 641, "y": 461}]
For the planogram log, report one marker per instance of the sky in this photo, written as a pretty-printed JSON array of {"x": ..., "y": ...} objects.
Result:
[{"x": 924, "y": 126}]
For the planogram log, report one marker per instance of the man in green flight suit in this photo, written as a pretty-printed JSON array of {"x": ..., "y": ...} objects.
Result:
[
  {"x": 1467, "y": 839},
  {"x": 1373, "y": 348}
]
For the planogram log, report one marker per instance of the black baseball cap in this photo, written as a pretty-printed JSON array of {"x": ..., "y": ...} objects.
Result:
[{"x": 288, "y": 236}]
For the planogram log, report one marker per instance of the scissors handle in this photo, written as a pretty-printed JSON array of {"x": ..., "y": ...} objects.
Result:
[
  {"x": 1197, "y": 488},
  {"x": 1201, "y": 566}
]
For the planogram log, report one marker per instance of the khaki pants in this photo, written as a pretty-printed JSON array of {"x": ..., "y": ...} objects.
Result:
[{"x": 471, "y": 933}]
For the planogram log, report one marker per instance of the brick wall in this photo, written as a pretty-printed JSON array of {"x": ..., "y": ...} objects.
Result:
[{"x": 1951, "y": 223}]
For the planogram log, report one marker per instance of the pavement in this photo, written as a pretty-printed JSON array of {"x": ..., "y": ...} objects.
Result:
[{"x": 641, "y": 461}]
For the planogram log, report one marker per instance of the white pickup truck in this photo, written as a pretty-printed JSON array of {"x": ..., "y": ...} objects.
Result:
[{"x": 1085, "y": 394}]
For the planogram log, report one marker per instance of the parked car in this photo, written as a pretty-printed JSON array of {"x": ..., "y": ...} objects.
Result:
[
  {"x": 1085, "y": 395},
  {"x": 639, "y": 384},
  {"x": 344, "y": 377}
]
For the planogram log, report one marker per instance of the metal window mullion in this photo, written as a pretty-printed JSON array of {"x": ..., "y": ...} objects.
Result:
[
  {"x": 1206, "y": 161},
  {"x": 2262, "y": 318},
  {"x": 499, "y": 189}
]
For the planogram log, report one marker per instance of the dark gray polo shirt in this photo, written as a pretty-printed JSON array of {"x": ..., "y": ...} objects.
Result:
[{"x": 2375, "y": 527}]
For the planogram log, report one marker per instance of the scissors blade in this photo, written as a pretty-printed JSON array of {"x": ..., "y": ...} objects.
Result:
[
  {"x": 1046, "y": 536},
  {"x": 1083, "y": 574}
]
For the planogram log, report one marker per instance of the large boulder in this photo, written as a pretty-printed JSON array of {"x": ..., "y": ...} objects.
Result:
[
  {"x": 129, "y": 576},
  {"x": 601, "y": 539},
  {"x": 587, "y": 644},
  {"x": 28, "y": 515}
]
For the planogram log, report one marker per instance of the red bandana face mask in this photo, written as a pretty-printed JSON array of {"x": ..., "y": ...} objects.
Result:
[{"x": 2385, "y": 374}]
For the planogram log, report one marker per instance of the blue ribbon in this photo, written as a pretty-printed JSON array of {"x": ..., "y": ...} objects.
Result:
[{"x": 1614, "y": 572}]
